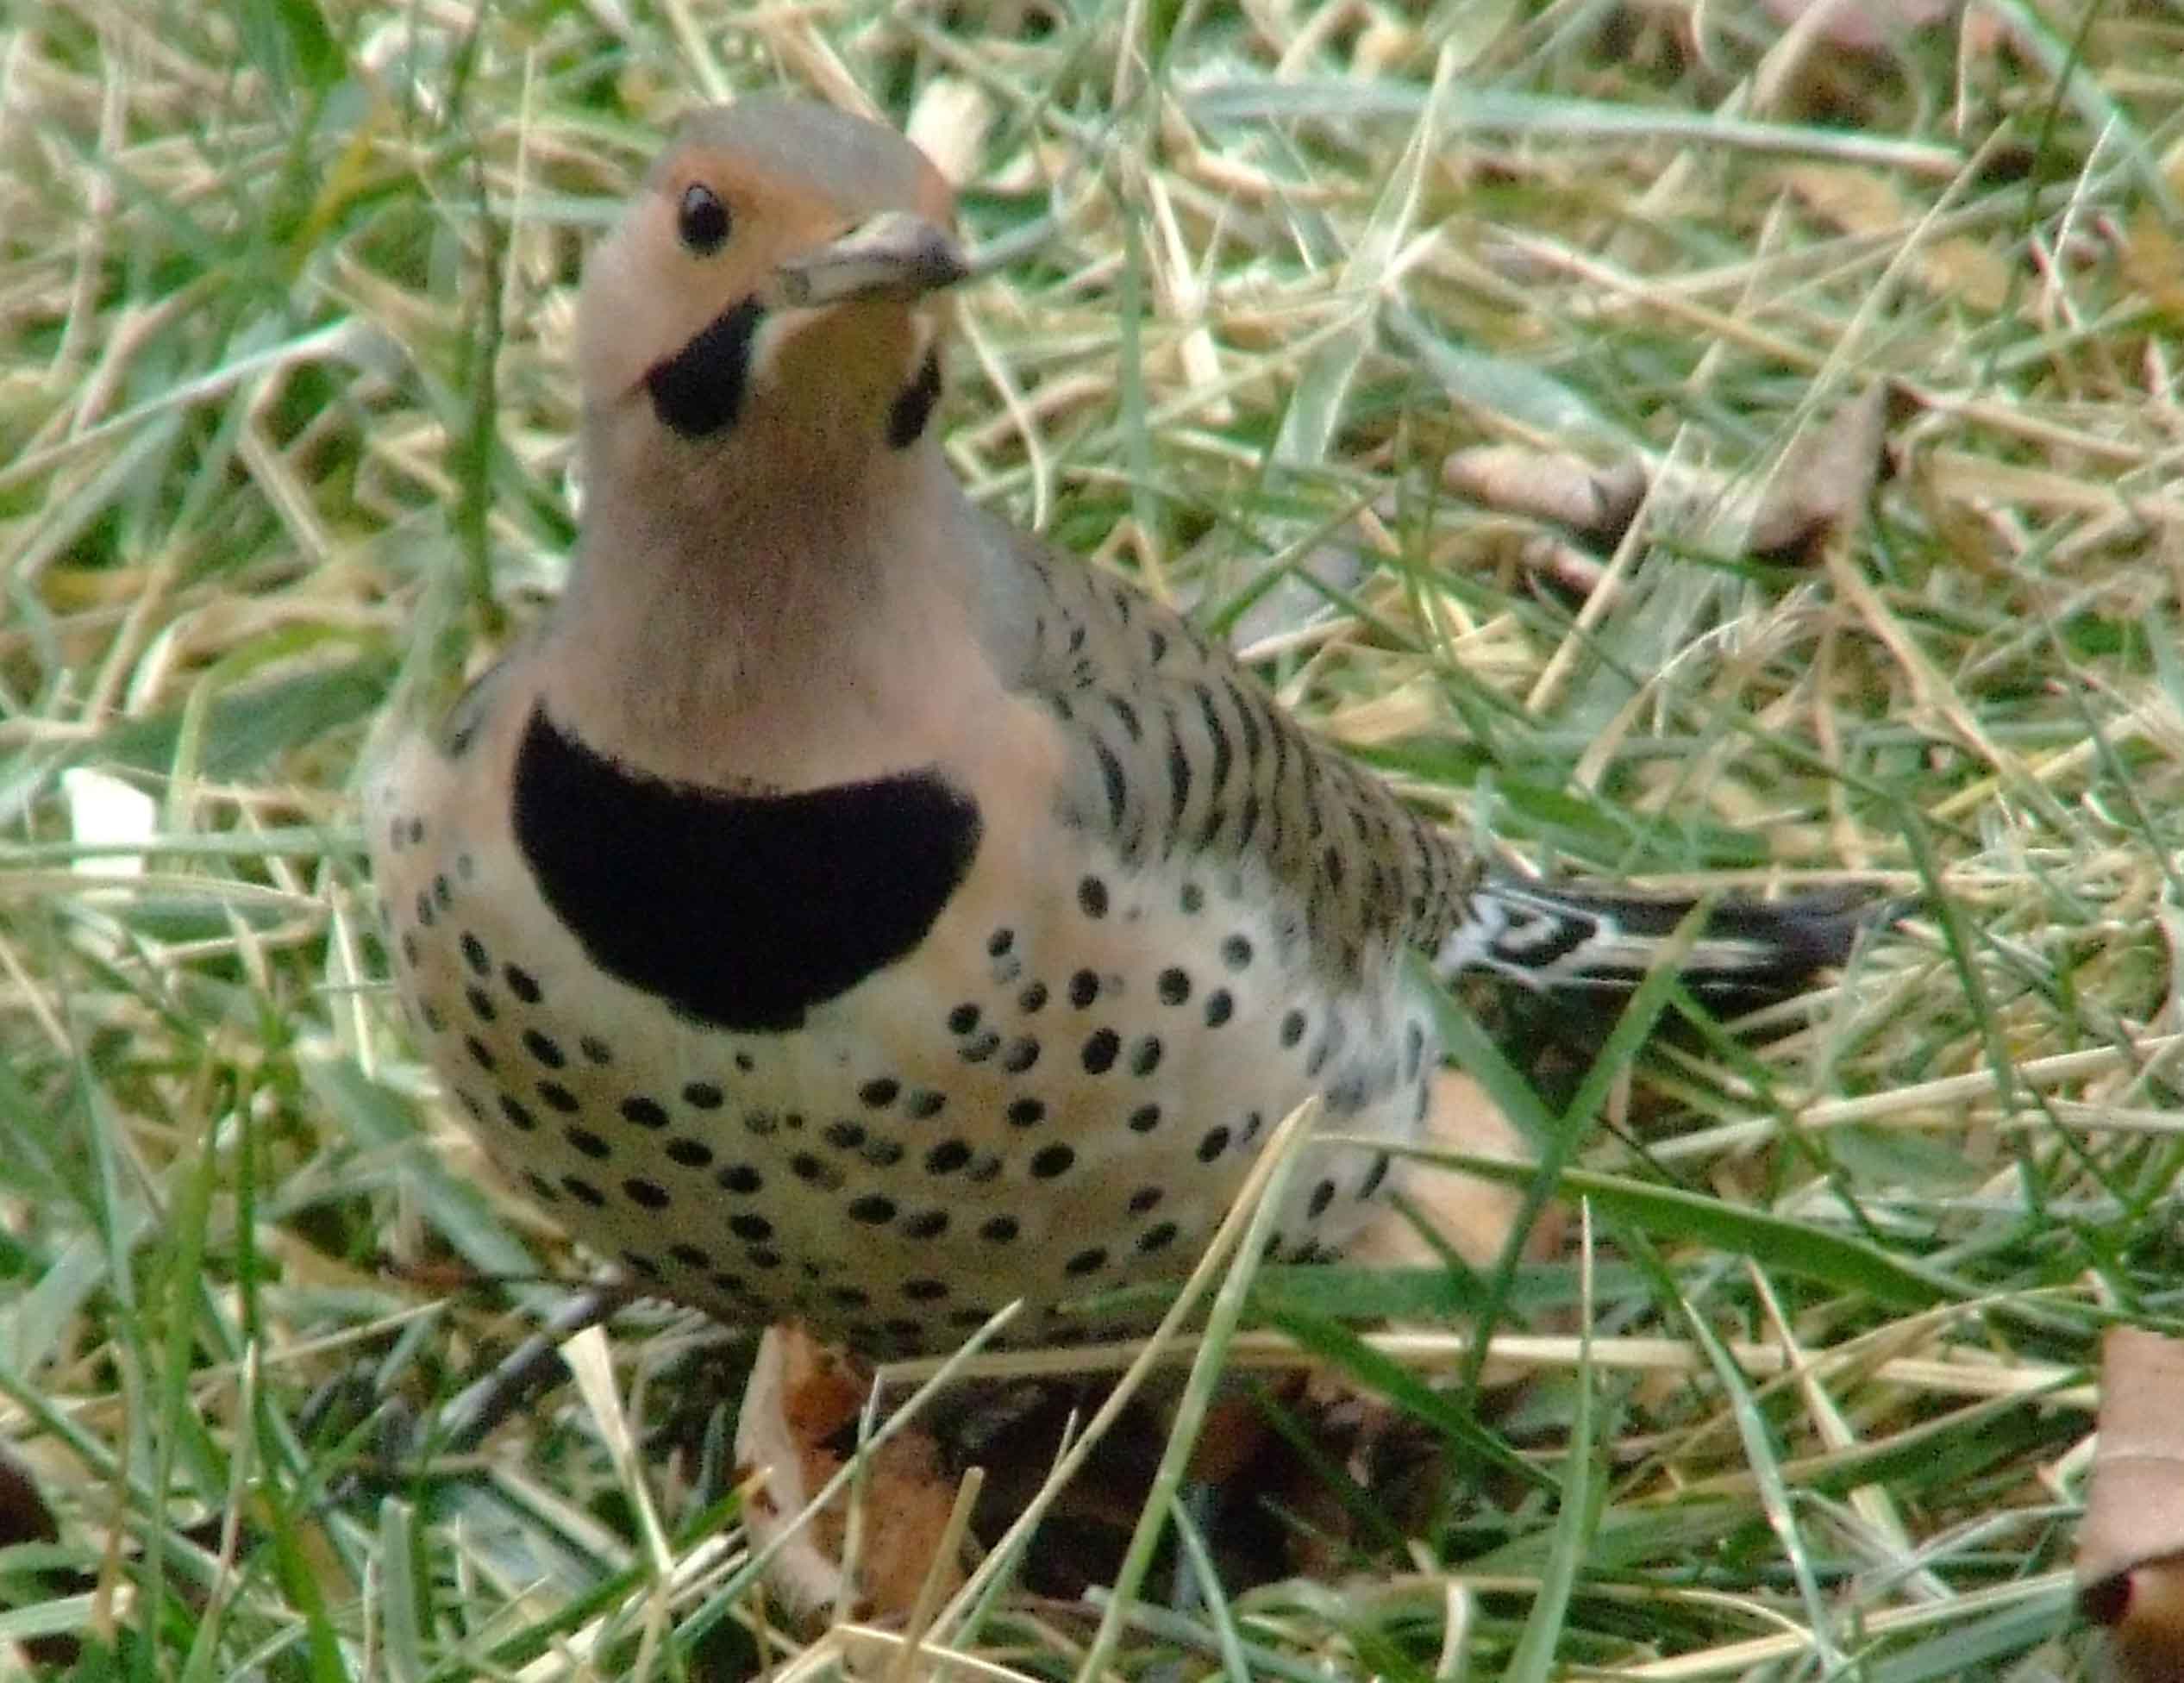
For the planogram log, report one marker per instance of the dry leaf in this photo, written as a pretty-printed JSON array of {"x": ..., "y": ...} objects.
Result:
[
  {"x": 804, "y": 1397},
  {"x": 1864, "y": 26},
  {"x": 2146, "y": 1634},
  {"x": 1820, "y": 490},
  {"x": 1825, "y": 482},
  {"x": 25, "y": 1517},
  {"x": 2131, "y": 1546},
  {"x": 949, "y": 124},
  {"x": 2153, "y": 263},
  {"x": 1597, "y": 503},
  {"x": 1959, "y": 269}
]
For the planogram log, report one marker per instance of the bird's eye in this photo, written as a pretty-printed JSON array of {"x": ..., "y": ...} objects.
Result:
[{"x": 702, "y": 220}]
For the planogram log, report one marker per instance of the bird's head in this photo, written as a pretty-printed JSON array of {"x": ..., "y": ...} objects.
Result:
[{"x": 773, "y": 287}]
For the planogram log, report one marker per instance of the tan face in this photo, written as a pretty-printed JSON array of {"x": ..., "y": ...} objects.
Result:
[{"x": 776, "y": 272}]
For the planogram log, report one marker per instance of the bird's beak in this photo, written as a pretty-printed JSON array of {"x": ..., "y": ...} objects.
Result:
[{"x": 894, "y": 255}]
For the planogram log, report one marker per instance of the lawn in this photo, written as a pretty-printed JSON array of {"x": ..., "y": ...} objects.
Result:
[{"x": 1672, "y": 440}]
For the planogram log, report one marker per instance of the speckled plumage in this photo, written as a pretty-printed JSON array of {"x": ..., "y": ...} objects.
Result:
[{"x": 845, "y": 907}]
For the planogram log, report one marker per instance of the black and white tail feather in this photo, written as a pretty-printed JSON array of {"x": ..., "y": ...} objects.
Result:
[{"x": 1550, "y": 938}]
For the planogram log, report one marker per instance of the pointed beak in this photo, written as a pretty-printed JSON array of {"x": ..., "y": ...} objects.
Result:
[{"x": 894, "y": 255}]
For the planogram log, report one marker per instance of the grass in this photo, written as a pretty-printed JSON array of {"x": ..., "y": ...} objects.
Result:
[{"x": 284, "y": 416}]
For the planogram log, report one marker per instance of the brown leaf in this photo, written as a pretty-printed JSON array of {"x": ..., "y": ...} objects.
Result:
[
  {"x": 2131, "y": 1546},
  {"x": 1959, "y": 269},
  {"x": 25, "y": 1517},
  {"x": 2153, "y": 263},
  {"x": 1825, "y": 482},
  {"x": 803, "y": 1400},
  {"x": 1596, "y": 503},
  {"x": 2143, "y": 1609},
  {"x": 1864, "y": 26}
]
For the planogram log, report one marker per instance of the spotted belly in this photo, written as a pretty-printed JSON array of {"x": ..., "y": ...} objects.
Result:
[{"x": 1045, "y": 1098}]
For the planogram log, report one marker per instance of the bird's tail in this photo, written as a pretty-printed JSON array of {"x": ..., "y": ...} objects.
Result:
[{"x": 1553, "y": 937}]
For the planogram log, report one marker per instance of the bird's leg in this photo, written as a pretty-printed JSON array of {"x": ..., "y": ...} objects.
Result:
[{"x": 524, "y": 1372}]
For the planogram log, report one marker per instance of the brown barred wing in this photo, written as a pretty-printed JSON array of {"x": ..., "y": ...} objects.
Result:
[{"x": 1181, "y": 756}]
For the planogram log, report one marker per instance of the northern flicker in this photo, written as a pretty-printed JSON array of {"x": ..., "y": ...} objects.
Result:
[{"x": 845, "y": 908}]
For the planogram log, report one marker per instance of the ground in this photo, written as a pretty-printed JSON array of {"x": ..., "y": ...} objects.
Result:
[{"x": 1357, "y": 330}]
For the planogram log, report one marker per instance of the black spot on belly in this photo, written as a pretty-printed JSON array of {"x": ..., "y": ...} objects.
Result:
[{"x": 743, "y": 911}]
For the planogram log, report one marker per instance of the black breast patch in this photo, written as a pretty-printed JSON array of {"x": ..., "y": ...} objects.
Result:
[{"x": 743, "y": 911}]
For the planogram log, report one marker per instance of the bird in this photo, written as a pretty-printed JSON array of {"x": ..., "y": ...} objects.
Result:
[{"x": 845, "y": 909}]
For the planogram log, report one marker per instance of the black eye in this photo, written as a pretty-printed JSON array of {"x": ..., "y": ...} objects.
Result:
[{"x": 702, "y": 220}]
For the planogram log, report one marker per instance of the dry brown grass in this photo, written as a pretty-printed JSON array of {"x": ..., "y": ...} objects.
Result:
[{"x": 285, "y": 302}]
